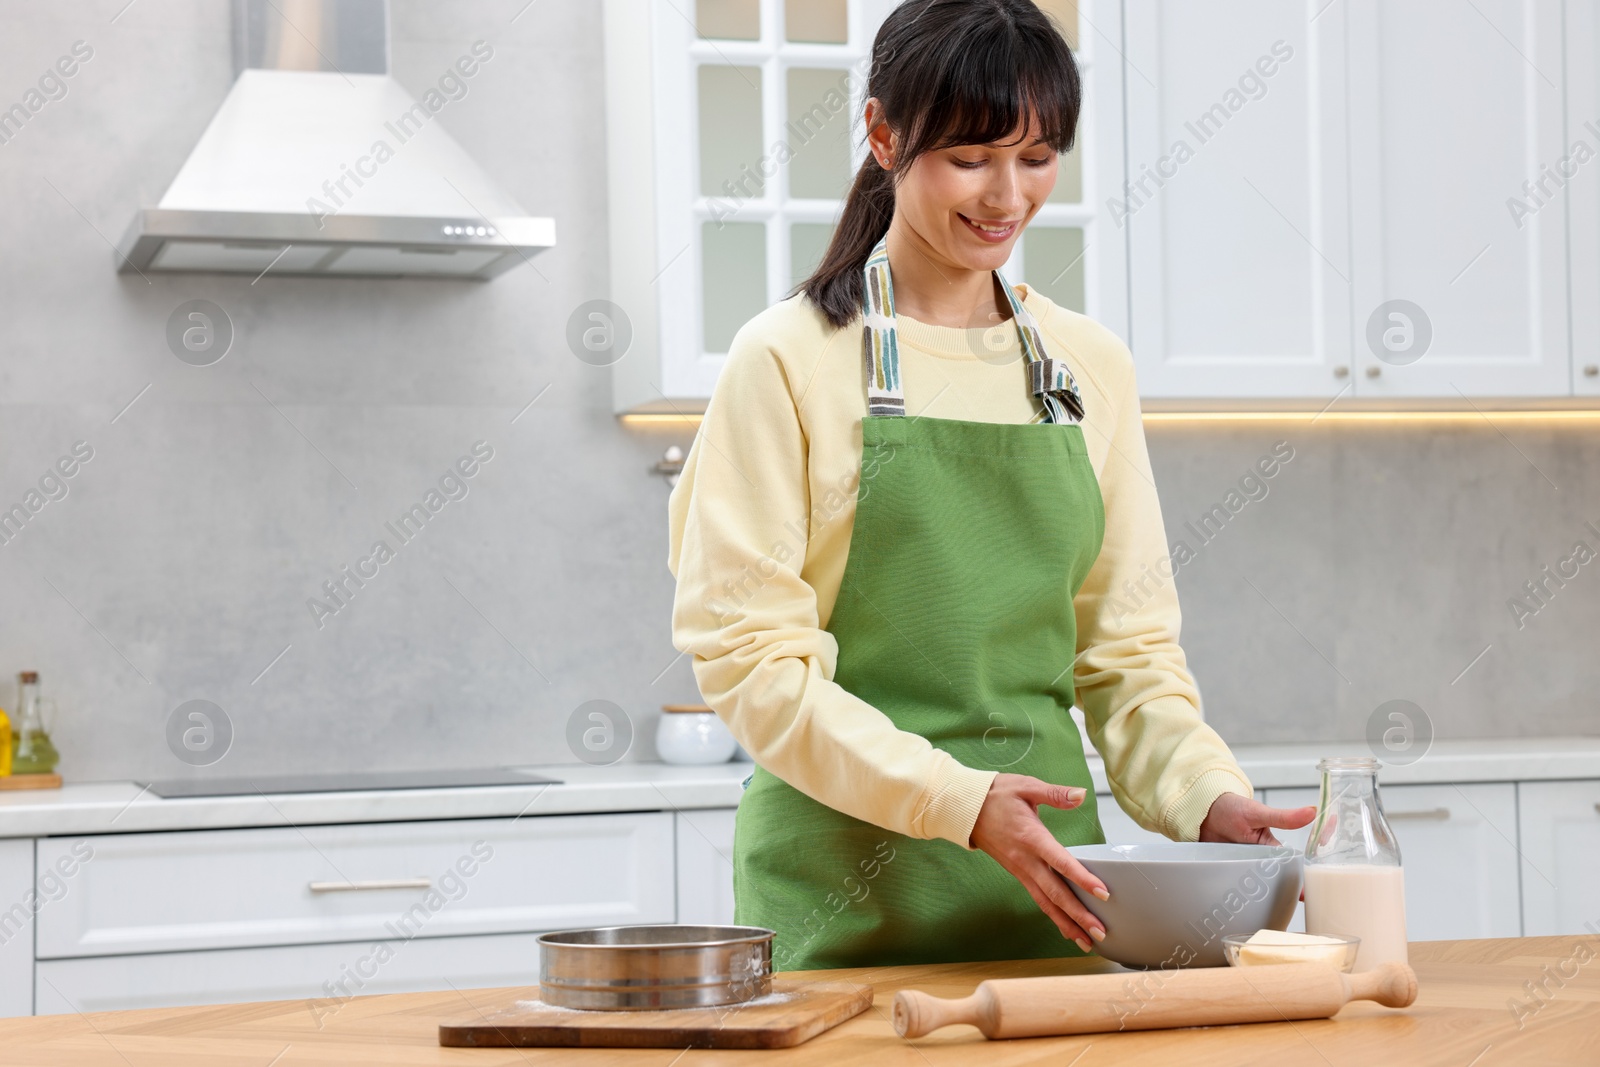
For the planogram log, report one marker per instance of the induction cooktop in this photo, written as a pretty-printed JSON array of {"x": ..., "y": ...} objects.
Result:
[{"x": 345, "y": 782}]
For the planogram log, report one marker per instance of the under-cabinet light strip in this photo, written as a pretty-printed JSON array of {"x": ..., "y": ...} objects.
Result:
[
  {"x": 1499, "y": 415},
  {"x": 1562, "y": 415}
]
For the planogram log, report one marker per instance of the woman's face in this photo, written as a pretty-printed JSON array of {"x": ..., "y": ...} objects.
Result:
[{"x": 970, "y": 203}]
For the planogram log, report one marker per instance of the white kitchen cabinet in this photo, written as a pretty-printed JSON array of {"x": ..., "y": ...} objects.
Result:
[
  {"x": 1452, "y": 108},
  {"x": 1582, "y": 192},
  {"x": 1458, "y": 848},
  {"x": 1237, "y": 209},
  {"x": 17, "y": 897},
  {"x": 1560, "y": 840},
  {"x": 705, "y": 866},
  {"x": 1119, "y": 827},
  {"x": 215, "y": 889},
  {"x": 324, "y": 976},
  {"x": 1344, "y": 225},
  {"x": 1302, "y": 203},
  {"x": 733, "y": 135}
]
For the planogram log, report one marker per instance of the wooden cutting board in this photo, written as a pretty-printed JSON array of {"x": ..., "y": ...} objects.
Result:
[
  {"x": 793, "y": 1013},
  {"x": 30, "y": 781}
]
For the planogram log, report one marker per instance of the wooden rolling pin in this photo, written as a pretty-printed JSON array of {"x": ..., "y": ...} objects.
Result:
[{"x": 1154, "y": 1000}]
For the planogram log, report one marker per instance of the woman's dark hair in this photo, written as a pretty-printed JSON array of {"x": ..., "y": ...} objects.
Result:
[{"x": 947, "y": 73}]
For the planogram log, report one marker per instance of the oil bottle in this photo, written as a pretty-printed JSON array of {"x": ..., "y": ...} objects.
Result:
[{"x": 31, "y": 752}]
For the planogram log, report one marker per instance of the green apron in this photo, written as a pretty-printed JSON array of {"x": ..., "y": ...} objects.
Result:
[{"x": 954, "y": 618}]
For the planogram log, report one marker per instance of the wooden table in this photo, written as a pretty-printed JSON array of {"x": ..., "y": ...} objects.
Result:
[{"x": 1462, "y": 1018}]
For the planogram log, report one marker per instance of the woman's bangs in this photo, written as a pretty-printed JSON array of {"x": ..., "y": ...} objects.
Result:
[{"x": 983, "y": 103}]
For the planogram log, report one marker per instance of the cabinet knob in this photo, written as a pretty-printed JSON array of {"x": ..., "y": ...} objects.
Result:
[
  {"x": 1341, "y": 371},
  {"x": 1592, "y": 370},
  {"x": 1374, "y": 370}
]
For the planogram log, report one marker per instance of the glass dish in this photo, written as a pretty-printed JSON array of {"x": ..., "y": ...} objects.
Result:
[{"x": 1233, "y": 944}]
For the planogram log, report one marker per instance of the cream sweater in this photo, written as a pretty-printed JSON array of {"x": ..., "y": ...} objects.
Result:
[{"x": 760, "y": 524}]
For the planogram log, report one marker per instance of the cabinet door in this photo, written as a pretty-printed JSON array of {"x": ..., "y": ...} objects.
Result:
[
  {"x": 733, "y": 136},
  {"x": 1453, "y": 107},
  {"x": 325, "y": 977},
  {"x": 1583, "y": 191},
  {"x": 1561, "y": 857},
  {"x": 1075, "y": 248},
  {"x": 1458, "y": 847},
  {"x": 1236, "y": 203},
  {"x": 17, "y": 897},
  {"x": 705, "y": 867}
]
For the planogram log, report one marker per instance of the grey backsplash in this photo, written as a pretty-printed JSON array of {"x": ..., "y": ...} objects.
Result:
[
  {"x": 179, "y": 563},
  {"x": 1377, "y": 565}
]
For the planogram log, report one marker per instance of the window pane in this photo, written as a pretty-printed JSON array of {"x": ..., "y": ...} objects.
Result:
[
  {"x": 1069, "y": 175},
  {"x": 1065, "y": 13},
  {"x": 1052, "y": 263},
  {"x": 807, "y": 243},
  {"x": 818, "y": 132},
  {"x": 738, "y": 20},
  {"x": 733, "y": 282},
  {"x": 730, "y": 131},
  {"x": 816, "y": 20}
]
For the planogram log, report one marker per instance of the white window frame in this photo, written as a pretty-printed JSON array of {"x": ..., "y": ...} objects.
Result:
[{"x": 658, "y": 209}]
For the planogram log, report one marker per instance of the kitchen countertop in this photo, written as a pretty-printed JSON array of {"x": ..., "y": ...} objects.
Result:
[
  {"x": 124, "y": 807},
  {"x": 1460, "y": 1018}
]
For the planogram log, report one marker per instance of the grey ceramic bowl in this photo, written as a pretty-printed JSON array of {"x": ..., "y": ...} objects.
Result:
[{"x": 1172, "y": 901}]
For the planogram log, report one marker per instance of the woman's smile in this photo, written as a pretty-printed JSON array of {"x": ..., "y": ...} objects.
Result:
[{"x": 994, "y": 231}]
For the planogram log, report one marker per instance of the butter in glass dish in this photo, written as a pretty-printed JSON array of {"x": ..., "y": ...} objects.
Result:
[{"x": 1288, "y": 946}]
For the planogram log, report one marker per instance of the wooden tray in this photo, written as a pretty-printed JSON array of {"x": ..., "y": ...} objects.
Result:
[
  {"x": 794, "y": 1012},
  {"x": 30, "y": 781}
]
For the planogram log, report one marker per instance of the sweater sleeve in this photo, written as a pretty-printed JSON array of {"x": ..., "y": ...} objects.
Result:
[
  {"x": 738, "y": 532},
  {"x": 1141, "y": 707}
]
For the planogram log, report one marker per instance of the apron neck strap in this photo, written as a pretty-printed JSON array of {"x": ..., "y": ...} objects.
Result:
[{"x": 1049, "y": 379}]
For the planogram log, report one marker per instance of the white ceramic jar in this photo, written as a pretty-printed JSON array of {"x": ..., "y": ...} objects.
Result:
[{"x": 692, "y": 733}]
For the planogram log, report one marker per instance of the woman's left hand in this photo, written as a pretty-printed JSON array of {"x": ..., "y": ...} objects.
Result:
[{"x": 1248, "y": 821}]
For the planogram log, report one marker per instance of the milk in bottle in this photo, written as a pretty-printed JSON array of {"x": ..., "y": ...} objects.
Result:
[{"x": 1354, "y": 884}]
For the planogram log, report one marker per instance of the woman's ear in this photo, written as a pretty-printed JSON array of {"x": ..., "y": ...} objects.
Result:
[{"x": 880, "y": 138}]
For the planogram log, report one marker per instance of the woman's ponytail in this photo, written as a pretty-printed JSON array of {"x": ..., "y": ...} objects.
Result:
[{"x": 835, "y": 287}]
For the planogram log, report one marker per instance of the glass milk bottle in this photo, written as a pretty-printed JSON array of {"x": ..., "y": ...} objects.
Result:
[{"x": 1354, "y": 885}]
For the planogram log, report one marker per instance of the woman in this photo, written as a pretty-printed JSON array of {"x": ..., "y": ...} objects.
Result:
[{"x": 904, "y": 537}]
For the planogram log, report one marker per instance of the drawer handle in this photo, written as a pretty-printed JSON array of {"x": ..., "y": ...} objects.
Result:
[
  {"x": 1431, "y": 813},
  {"x": 376, "y": 883}
]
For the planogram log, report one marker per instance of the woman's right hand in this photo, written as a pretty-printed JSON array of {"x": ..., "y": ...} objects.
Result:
[{"x": 1009, "y": 829}]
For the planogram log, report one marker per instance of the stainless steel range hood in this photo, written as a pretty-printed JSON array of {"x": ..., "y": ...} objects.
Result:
[{"x": 319, "y": 163}]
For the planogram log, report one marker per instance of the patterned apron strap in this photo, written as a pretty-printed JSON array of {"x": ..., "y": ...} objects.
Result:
[
  {"x": 879, "y": 347},
  {"x": 1049, "y": 379}
]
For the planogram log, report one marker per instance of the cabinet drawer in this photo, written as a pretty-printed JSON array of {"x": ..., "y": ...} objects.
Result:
[
  {"x": 163, "y": 892},
  {"x": 323, "y": 977}
]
